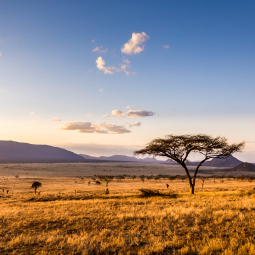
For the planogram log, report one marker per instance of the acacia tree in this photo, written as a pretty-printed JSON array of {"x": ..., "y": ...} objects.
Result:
[
  {"x": 179, "y": 147},
  {"x": 36, "y": 185}
]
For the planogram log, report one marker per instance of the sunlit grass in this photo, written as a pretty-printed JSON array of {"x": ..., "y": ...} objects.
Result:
[{"x": 220, "y": 220}]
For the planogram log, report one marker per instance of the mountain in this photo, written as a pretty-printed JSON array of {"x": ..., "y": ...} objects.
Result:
[
  {"x": 121, "y": 158},
  {"x": 228, "y": 162},
  {"x": 216, "y": 162},
  {"x": 244, "y": 167},
  {"x": 170, "y": 161},
  {"x": 14, "y": 152}
]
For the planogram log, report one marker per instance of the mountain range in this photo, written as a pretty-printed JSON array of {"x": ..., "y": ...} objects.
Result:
[
  {"x": 216, "y": 162},
  {"x": 122, "y": 158},
  {"x": 15, "y": 152}
]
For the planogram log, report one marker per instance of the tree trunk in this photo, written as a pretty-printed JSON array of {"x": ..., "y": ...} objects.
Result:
[
  {"x": 35, "y": 190},
  {"x": 192, "y": 189}
]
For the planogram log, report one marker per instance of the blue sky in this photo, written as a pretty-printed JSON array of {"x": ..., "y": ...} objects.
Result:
[{"x": 193, "y": 72}]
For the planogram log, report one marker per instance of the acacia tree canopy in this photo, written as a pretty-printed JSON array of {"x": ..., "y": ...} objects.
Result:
[{"x": 179, "y": 147}]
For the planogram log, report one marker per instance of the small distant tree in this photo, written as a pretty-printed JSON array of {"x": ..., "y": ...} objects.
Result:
[
  {"x": 156, "y": 178},
  {"x": 179, "y": 147},
  {"x": 36, "y": 185},
  {"x": 120, "y": 177},
  {"x": 133, "y": 177},
  {"x": 142, "y": 178},
  {"x": 170, "y": 177}
]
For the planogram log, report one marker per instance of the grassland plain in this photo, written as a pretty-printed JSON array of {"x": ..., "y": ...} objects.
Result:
[{"x": 69, "y": 216}]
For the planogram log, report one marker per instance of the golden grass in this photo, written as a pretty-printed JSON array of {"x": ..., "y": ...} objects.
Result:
[{"x": 220, "y": 220}]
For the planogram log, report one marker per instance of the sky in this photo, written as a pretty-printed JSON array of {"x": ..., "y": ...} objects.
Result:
[{"x": 107, "y": 77}]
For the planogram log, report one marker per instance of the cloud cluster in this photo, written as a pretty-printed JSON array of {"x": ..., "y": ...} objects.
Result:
[
  {"x": 101, "y": 65},
  {"x": 133, "y": 44},
  {"x": 88, "y": 127}
]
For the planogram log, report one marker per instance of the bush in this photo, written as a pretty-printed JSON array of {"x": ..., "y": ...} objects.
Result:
[{"x": 153, "y": 193}]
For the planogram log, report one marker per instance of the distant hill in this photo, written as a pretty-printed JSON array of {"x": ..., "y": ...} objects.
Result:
[
  {"x": 216, "y": 162},
  {"x": 14, "y": 152},
  {"x": 121, "y": 158},
  {"x": 244, "y": 167}
]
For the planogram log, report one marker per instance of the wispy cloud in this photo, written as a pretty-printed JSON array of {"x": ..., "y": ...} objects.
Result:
[
  {"x": 100, "y": 49},
  {"x": 88, "y": 127},
  {"x": 133, "y": 44},
  {"x": 55, "y": 120},
  {"x": 96, "y": 49},
  {"x": 106, "y": 115},
  {"x": 135, "y": 124},
  {"x": 126, "y": 61},
  {"x": 32, "y": 113},
  {"x": 0, "y": 54},
  {"x": 100, "y": 90},
  {"x": 122, "y": 68},
  {"x": 93, "y": 40},
  {"x": 166, "y": 46},
  {"x": 101, "y": 66}
]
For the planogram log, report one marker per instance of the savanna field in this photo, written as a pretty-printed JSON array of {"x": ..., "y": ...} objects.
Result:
[{"x": 72, "y": 214}]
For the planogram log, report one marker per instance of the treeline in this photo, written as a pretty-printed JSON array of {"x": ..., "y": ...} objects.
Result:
[{"x": 159, "y": 177}]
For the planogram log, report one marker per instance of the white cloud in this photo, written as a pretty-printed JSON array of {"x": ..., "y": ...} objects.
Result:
[
  {"x": 93, "y": 40},
  {"x": 89, "y": 115},
  {"x": 118, "y": 113},
  {"x": 132, "y": 46},
  {"x": 100, "y": 90},
  {"x": 129, "y": 107},
  {"x": 101, "y": 65},
  {"x": 106, "y": 115},
  {"x": 32, "y": 113},
  {"x": 88, "y": 127},
  {"x": 126, "y": 61},
  {"x": 139, "y": 113},
  {"x": 166, "y": 46},
  {"x": 0, "y": 54},
  {"x": 55, "y": 120}
]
